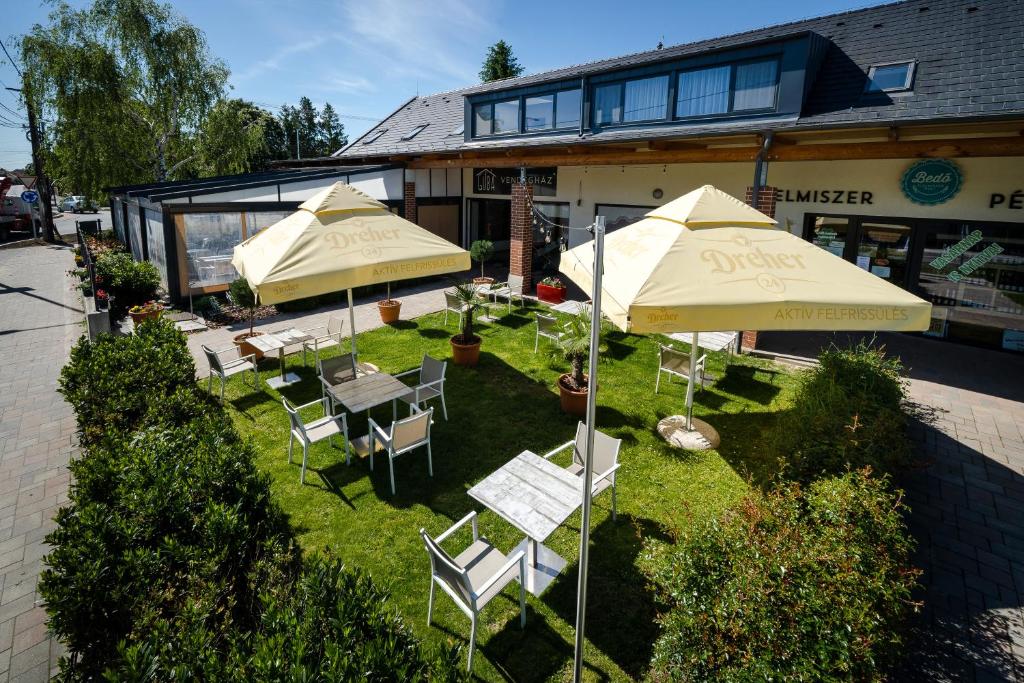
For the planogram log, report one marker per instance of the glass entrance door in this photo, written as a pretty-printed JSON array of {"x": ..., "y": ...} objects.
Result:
[
  {"x": 831, "y": 233},
  {"x": 883, "y": 249}
]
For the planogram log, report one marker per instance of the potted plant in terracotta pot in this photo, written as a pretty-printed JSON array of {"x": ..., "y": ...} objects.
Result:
[
  {"x": 389, "y": 308},
  {"x": 150, "y": 310},
  {"x": 575, "y": 346},
  {"x": 481, "y": 251},
  {"x": 466, "y": 345},
  {"x": 241, "y": 295},
  {"x": 551, "y": 290}
]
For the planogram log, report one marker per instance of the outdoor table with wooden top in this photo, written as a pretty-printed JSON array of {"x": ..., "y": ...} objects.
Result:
[
  {"x": 366, "y": 392},
  {"x": 278, "y": 341},
  {"x": 535, "y": 496},
  {"x": 572, "y": 307}
]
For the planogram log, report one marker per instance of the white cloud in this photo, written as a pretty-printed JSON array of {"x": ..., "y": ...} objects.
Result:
[
  {"x": 353, "y": 85},
  {"x": 277, "y": 59}
]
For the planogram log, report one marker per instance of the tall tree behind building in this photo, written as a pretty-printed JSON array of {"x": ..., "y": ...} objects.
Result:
[
  {"x": 308, "y": 119},
  {"x": 332, "y": 131},
  {"x": 239, "y": 137},
  {"x": 500, "y": 63},
  {"x": 127, "y": 84}
]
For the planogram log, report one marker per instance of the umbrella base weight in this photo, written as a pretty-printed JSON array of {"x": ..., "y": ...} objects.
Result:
[
  {"x": 283, "y": 381},
  {"x": 701, "y": 438}
]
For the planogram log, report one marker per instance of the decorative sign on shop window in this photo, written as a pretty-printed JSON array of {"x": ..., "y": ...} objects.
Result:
[
  {"x": 972, "y": 264},
  {"x": 932, "y": 181},
  {"x": 500, "y": 180},
  {"x": 1013, "y": 340}
]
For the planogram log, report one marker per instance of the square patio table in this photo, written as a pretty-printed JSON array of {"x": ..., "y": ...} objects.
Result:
[
  {"x": 277, "y": 341},
  {"x": 571, "y": 307},
  {"x": 366, "y": 392},
  {"x": 535, "y": 496}
]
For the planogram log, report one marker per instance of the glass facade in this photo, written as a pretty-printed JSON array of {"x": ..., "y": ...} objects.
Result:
[
  {"x": 258, "y": 221},
  {"x": 117, "y": 218},
  {"x": 490, "y": 219},
  {"x": 210, "y": 239},
  {"x": 155, "y": 243},
  {"x": 135, "y": 232}
]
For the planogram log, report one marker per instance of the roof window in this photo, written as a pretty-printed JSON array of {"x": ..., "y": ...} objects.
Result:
[
  {"x": 460, "y": 130},
  {"x": 415, "y": 131},
  {"x": 892, "y": 77},
  {"x": 374, "y": 136}
]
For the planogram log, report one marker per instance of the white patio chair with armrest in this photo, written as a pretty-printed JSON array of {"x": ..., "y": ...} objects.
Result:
[
  {"x": 473, "y": 577},
  {"x": 229, "y": 368},
  {"x": 431, "y": 384},
  {"x": 324, "y": 336},
  {"x": 309, "y": 433},
  {"x": 606, "y": 460},
  {"x": 335, "y": 371},
  {"x": 510, "y": 289},
  {"x": 453, "y": 304},
  {"x": 675, "y": 362},
  {"x": 547, "y": 326},
  {"x": 405, "y": 435}
]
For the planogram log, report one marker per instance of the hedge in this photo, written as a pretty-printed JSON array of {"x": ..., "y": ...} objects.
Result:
[
  {"x": 848, "y": 413},
  {"x": 172, "y": 561},
  {"x": 794, "y": 584}
]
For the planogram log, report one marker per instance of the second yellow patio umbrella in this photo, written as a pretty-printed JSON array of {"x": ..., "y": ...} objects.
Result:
[{"x": 708, "y": 262}]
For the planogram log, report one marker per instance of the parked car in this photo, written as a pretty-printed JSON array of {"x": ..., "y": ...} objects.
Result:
[{"x": 78, "y": 204}]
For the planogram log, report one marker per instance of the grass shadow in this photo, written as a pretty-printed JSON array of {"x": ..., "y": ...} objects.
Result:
[
  {"x": 752, "y": 383},
  {"x": 403, "y": 325},
  {"x": 514, "y": 321},
  {"x": 433, "y": 333}
]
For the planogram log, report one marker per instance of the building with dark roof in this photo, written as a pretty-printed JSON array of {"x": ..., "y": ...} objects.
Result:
[{"x": 887, "y": 135}]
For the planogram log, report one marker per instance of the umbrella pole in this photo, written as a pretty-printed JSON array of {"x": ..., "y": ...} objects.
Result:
[
  {"x": 694, "y": 350},
  {"x": 588, "y": 460},
  {"x": 352, "y": 325}
]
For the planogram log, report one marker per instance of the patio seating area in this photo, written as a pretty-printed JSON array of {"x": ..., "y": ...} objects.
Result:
[{"x": 498, "y": 413}]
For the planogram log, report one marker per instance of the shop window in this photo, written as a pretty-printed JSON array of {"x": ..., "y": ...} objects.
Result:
[
  {"x": 567, "y": 109},
  {"x": 890, "y": 77},
  {"x": 490, "y": 219},
  {"x": 646, "y": 99}
]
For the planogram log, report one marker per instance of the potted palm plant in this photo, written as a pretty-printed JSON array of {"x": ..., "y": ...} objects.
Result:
[
  {"x": 242, "y": 295},
  {"x": 466, "y": 345},
  {"x": 481, "y": 251},
  {"x": 575, "y": 347},
  {"x": 389, "y": 308}
]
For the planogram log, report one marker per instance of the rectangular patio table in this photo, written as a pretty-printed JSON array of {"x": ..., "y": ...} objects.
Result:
[
  {"x": 535, "y": 496},
  {"x": 366, "y": 392},
  {"x": 712, "y": 341},
  {"x": 277, "y": 341},
  {"x": 572, "y": 307}
]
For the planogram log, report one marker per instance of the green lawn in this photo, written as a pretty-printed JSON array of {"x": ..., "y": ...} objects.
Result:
[{"x": 505, "y": 405}]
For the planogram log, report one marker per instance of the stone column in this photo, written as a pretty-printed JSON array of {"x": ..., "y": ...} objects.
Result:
[{"x": 521, "y": 246}]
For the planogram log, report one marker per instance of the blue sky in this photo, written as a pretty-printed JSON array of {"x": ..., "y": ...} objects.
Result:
[{"x": 366, "y": 57}]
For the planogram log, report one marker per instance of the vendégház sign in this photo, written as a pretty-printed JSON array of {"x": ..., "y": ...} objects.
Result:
[{"x": 500, "y": 180}]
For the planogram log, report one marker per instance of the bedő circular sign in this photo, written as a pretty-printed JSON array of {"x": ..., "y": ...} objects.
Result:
[
  {"x": 932, "y": 181},
  {"x": 30, "y": 196}
]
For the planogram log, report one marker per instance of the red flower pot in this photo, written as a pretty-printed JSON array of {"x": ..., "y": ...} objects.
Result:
[{"x": 552, "y": 295}]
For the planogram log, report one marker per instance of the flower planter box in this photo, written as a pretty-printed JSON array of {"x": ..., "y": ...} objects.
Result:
[
  {"x": 139, "y": 318},
  {"x": 552, "y": 295}
]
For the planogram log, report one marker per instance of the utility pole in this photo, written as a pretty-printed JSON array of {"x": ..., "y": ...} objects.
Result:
[{"x": 42, "y": 182}]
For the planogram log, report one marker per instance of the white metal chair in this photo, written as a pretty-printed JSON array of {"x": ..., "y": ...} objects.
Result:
[
  {"x": 510, "y": 289},
  {"x": 330, "y": 335},
  {"x": 473, "y": 577},
  {"x": 229, "y": 368},
  {"x": 405, "y": 435},
  {"x": 547, "y": 326},
  {"x": 454, "y": 305},
  {"x": 675, "y": 362},
  {"x": 606, "y": 460},
  {"x": 431, "y": 384},
  {"x": 309, "y": 433},
  {"x": 335, "y": 371}
]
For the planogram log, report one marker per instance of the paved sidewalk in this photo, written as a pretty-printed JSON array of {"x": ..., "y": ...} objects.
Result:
[{"x": 40, "y": 318}]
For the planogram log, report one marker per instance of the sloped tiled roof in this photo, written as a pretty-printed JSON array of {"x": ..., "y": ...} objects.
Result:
[{"x": 969, "y": 56}]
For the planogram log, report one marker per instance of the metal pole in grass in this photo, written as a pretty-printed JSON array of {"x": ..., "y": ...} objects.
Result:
[{"x": 588, "y": 461}]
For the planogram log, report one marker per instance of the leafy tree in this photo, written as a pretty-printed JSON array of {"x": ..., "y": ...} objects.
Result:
[
  {"x": 239, "y": 137},
  {"x": 500, "y": 63},
  {"x": 332, "y": 131},
  {"x": 128, "y": 83}
]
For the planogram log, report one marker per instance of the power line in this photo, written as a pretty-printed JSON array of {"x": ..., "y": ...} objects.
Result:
[{"x": 13, "y": 63}]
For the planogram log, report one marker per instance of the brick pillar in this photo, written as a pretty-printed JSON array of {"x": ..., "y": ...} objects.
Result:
[
  {"x": 748, "y": 340},
  {"x": 765, "y": 200},
  {"x": 521, "y": 247},
  {"x": 410, "y": 202}
]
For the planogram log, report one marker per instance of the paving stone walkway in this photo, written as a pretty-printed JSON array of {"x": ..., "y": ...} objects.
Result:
[{"x": 40, "y": 318}]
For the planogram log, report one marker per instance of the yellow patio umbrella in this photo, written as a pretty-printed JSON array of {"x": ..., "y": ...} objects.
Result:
[
  {"x": 341, "y": 238},
  {"x": 708, "y": 262}
]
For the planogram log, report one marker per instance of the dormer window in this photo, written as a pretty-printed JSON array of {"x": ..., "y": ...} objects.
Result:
[
  {"x": 374, "y": 136},
  {"x": 747, "y": 86},
  {"x": 892, "y": 77},
  {"x": 415, "y": 131}
]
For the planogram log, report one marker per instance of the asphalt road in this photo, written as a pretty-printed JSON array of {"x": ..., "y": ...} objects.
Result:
[{"x": 65, "y": 223}]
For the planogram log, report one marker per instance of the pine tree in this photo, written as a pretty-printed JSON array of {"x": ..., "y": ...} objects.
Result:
[
  {"x": 307, "y": 116},
  {"x": 289, "y": 118},
  {"x": 500, "y": 63},
  {"x": 332, "y": 131}
]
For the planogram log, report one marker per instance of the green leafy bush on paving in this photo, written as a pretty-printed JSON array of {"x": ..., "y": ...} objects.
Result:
[
  {"x": 848, "y": 413},
  {"x": 794, "y": 584},
  {"x": 171, "y": 560},
  {"x": 128, "y": 281}
]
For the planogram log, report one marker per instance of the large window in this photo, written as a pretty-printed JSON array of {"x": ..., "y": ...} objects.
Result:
[
  {"x": 646, "y": 99},
  {"x": 482, "y": 115},
  {"x": 490, "y": 219},
  {"x": 567, "y": 113},
  {"x": 210, "y": 239},
  {"x": 608, "y": 104},
  {"x": 723, "y": 89},
  {"x": 540, "y": 112},
  {"x": 506, "y": 116}
]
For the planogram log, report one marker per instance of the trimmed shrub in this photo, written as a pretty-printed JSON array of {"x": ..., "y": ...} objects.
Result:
[
  {"x": 848, "y": 413},
  {"x": 128, "y": 281},
  {"x": 171, "y": 561},
  {"x": 793, "y": 584}
]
